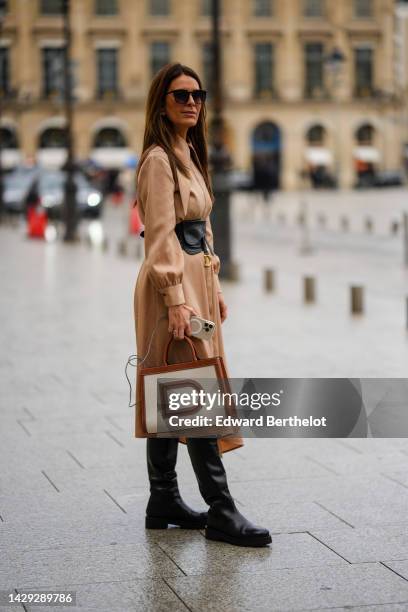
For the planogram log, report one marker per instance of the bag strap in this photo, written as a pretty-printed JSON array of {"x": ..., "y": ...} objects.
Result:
[{"x": 189, "y": 342}]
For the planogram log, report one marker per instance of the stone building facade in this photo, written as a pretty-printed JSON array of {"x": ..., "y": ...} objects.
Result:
[{"x": 307, "y": 82}]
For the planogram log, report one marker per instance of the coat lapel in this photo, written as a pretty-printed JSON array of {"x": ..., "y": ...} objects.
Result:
[
  {"x": 184, "y": 186},
  {"x": 183, "y": 151}
]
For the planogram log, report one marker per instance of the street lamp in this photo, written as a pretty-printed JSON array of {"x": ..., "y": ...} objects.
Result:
[
  {"x": 3, "y": 10},
  {"x": 70, "y": 205},
  {"x": 219, "y": 158},
  {"x": 334, "y": 62}
]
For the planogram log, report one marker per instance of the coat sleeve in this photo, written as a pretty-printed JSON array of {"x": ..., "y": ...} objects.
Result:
[
  {"x": 216, "y": 260},
  {"x": 164, "y": 257}
]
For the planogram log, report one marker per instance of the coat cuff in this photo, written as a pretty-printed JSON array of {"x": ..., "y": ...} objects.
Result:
[{"x": 173, "y": 295}]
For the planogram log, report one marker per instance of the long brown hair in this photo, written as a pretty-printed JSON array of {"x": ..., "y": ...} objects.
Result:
[{"x": 159, "y": 130}]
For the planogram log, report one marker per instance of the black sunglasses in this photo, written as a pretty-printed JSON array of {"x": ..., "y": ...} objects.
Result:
[{"x": 182, "y": 96}]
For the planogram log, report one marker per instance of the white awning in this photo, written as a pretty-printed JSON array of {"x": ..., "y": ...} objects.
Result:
[
  {"x": 367, "y": 154},
  {"x": 319, "y": 156},
  {"x": 10, "y": 158},
  {"x": 111, "y": 157},
  {"x": 52, "y": 157}
]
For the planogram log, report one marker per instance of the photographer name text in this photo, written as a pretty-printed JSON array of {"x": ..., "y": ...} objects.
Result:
[{"x": 259, "y": 421}]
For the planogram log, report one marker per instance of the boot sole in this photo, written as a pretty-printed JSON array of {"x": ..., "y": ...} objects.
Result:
[
  {"x": 152, "y": 522},
  {"x": 220, "y": 536}
]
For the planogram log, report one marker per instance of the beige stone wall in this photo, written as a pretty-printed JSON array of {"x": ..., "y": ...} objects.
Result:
[
  {"x": 401, "y": 63},
  {"x": 132, "y": 30}
]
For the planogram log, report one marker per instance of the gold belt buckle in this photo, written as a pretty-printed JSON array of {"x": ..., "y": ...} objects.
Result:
[{"x": 207, "y": 260}]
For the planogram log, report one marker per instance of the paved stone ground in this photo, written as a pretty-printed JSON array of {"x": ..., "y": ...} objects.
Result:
[{"x": 73, "y": 484}]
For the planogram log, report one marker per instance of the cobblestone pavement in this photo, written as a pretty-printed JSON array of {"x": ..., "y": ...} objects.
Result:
[{"x": 73, "y": 483}]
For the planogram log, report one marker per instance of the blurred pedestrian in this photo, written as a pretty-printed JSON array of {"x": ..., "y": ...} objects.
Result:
[{"x": 265, "y": 173}]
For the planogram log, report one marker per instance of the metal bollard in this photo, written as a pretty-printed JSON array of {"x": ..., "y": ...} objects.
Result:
[
  {"x": 321, "y": 219},
  {"x": 281, "y": 218},
  {"x": 97, "y": 241},
  {"x": 406, "y": 310},
  {"x": 12, "y": 220},
  {"x": 139, "y": 248},
  {"x": 301, "y": 218},
  {"x": 269, "y": 280},
  {"x": 405, "y": 238},
  {"x": 230, "y": 271},
  {"x": 357, "y": 299},
  {"x": 309, "y": 289},
  {"x": 369, "y": 225},
  {"x": 394, "y": 227},
  {"x": 122, "y": 247},
  {"x": 345, "y": 224}
]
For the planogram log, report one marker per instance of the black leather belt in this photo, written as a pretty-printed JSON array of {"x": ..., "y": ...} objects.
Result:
[{"x": 191, "y": 235}]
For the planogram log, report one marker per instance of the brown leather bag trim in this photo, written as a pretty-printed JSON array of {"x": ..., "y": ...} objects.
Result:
[
  {"x": 167, "y": 347},
  {"x": 221, "y": 376}
]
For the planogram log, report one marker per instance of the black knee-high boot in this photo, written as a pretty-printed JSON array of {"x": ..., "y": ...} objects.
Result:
[
  {"x": 224, "y": 521},
  {"x": 165, "y": 506}
]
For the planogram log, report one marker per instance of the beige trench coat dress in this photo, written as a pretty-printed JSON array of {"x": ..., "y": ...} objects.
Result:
[{"x": 170, "y": 276}]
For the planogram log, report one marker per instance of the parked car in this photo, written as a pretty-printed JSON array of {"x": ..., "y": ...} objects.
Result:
[
  {"x": 389, "y": 178},
  {"x": 381, "y": 178},
  {"x": 241, "y": 180},
  {"x": 17, "y": 184},
  {"x": 48, "y": 189},
  {"x": 322, "y": 178}
]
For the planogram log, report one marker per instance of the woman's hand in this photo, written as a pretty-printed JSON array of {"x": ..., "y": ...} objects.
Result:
[
  {"x": 222, "y": 306},
  {"x": 179, "y": 320}
]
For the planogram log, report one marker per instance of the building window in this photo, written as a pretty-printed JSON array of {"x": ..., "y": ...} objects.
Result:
[
  {"x": 53, "y": 71},
  {"x": 109, "y": 137},
  {"x": 51, "y": 7},
  {"x": 107, "y": 70},
  {"x": 365, "y": 135},
  {"x": 363, "y": 70},
  {"x": 159, "y": 55},
  {"x": 54, "y": 138},
  {"x": 8, "y": 138},
  {"x": 106, "y": 7},
  {"x": 316, "y": 135},
  {"x": 313, "y": 8},
  {"x": 159, "y": 7},
  {"x": 264, "y": 69},
  {"x": 263, "y": 8},
  {"x": 4, "y": 71},
  {"x": 363, "y": 8},
  {"x": 314, "y": 79},
  {"x": 206, "y": 7}
]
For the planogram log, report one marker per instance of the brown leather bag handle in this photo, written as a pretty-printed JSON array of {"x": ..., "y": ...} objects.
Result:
[{"x": 166, "y": 350}]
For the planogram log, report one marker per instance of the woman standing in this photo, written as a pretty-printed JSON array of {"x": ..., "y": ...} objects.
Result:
[{"x": 174, "y": 187}]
